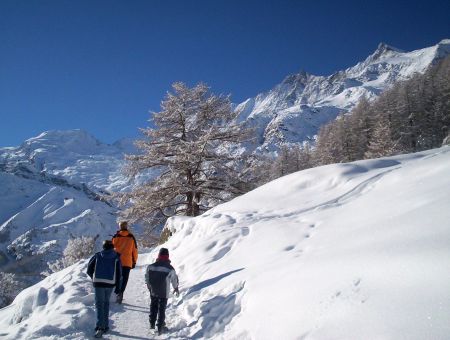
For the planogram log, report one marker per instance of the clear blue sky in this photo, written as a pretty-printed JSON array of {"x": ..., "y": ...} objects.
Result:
[{"x": 103, "y": 65}]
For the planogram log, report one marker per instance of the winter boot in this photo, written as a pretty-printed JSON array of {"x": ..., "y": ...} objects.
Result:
[
  {"x": 99, "y": 333},
  {"x": 162, "y": 329}
]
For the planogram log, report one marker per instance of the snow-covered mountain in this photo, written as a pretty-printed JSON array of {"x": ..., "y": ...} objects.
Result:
[
  {"x": 39, "y": 218},
  {"x": 72, "y": 155},
  {"x": 344, "y": 251},
  {"x": 294, "y": 110},
  {"x": 52, "y": 189}
]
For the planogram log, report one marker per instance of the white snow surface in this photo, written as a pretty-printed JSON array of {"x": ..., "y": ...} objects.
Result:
[{"x": 346, "y": 251}]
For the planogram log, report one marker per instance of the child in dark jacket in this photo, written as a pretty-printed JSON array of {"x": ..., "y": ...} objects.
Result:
[
  {"x": 158, "y": 278},
  {"x": 105, "y": 270}
]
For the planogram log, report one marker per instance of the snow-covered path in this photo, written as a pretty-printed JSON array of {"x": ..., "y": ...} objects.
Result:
[{"x": 129, "y": 320}]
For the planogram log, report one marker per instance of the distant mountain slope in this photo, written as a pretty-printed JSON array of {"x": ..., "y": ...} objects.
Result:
[
  {"x": 51, "y": 189},
  {"x": 343, "y": 251},
  {"x": 294, "y": 110},
  {"x": 72, "y": 155},
  {"x": 38, "y": 219}
]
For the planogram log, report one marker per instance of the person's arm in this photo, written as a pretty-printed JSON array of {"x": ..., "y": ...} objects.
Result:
[
  {"x": 134, "y": 254},
  {"x": 147, "y": 278},
  {"x": 174, "y": 281},
  {"x": 118, "y": 275},
  {"x": 91, "y": 266}
]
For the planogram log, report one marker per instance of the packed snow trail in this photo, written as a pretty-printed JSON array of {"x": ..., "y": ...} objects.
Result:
[{"x": 129, "y": 320}]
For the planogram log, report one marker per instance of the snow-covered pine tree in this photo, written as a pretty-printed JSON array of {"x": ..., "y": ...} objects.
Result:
[
  {"x": 191, "y": 148},
  {"x": 331, "y": 143},
  {"x": 10, "y": 286},
  {"x": 381, "y": 143},
  {"x": 77, "y": 248},
  {"x": 281, "y": 166},
  {"x": 360, "y": 128}
]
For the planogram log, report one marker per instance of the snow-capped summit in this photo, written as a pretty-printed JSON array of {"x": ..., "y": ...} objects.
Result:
[
  {"x": 384, "y": 50},
  {"x": 294, "y": 110},
  {"x": 72, "y": 155},
  {"x": 77, "y": 140}
]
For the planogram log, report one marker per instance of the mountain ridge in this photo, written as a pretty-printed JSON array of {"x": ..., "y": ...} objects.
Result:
[{"x": 294, "y": 110}]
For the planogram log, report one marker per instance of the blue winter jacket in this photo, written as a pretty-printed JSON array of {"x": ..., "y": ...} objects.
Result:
[{"x": 105, "y": 269}]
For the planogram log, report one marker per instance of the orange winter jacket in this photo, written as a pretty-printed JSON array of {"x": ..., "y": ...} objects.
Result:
[{"x": 125, "y": 244}]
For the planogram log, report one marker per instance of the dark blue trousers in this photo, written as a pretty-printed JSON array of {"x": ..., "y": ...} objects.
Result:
[{"x": 158, "y": 310}]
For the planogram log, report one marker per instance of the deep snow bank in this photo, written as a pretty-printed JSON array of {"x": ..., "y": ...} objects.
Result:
[{"x": 348, "y": 251}]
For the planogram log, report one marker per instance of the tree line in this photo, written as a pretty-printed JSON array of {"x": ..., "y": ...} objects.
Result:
[{"x": 412, "y": 116}]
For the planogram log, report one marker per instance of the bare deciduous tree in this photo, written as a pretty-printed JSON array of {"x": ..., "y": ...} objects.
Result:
[{"x": 192, "y": 149}]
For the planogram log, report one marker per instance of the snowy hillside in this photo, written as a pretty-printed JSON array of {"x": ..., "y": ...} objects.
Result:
[
  {"x": 38, "y": 219},
  {"x": 347, "y": 251},
  {"x": 295, "y": 109},
  {"x": 50, "y": 192}
]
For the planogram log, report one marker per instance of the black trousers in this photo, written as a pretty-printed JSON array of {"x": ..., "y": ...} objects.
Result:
[
  {"x": 157, "y": 309},
  {"x": 125, "y": 276}
]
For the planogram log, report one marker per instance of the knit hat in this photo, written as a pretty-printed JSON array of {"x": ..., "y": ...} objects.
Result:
[
  {"x": 107, "y": 244},
  {"x": 163, "y": 252}
]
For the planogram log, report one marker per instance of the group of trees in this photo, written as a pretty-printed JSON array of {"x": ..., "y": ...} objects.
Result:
[
  {"x": 193, "y": 144},
  {"x": 413, "y": 115},
  {"x": 10, "y": 286},
  {"x": 77, "y": 248}
]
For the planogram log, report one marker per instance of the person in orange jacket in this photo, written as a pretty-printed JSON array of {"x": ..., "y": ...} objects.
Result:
[{"x": 125, "y": 244}]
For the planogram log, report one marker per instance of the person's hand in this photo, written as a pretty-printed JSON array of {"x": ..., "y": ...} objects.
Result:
[
  {"x": 148, "y": 287},
  {"x": 134, "y": 265},
  {"x": 176, "y": 291}
]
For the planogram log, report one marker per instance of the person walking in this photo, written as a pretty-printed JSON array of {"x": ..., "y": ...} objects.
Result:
[
  {"x": 158, "y": 278},
  {"x": 125, "y": 244},
  {"x": 105, "y": 270}
]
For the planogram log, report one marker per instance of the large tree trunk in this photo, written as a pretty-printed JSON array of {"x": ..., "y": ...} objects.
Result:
[{"x": 192, "y": 204}]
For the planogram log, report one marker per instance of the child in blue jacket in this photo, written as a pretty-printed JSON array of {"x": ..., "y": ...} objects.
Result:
[{"x": 105, "y": 270}]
